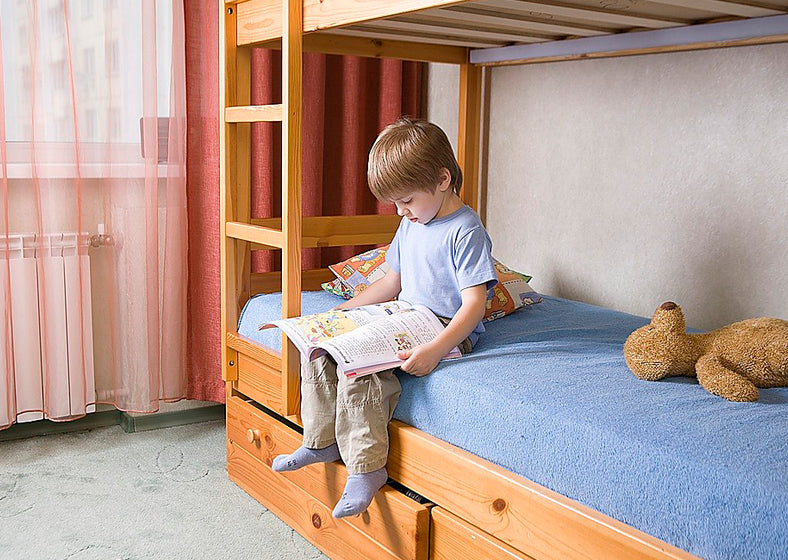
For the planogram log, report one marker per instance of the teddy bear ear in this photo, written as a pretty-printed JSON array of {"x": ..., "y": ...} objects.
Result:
[{"x": 669, "y": 317}]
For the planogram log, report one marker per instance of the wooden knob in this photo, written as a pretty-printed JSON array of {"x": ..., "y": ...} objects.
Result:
[{"x": 253, "y": 436}]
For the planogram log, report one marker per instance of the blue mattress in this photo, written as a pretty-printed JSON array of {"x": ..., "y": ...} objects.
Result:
[{"x": 546, "y": 394}]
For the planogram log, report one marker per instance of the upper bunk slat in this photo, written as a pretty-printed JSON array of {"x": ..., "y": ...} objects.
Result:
[
  {"x": 501, "y": 24},
  {"x": 573, "y": 14},
  {"x": 730, "y": 8}
]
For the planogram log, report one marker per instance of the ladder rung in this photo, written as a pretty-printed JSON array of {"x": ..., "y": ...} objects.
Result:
[
  {"x": 255, "y": 234},
  {"x": 253, "y": 113}
]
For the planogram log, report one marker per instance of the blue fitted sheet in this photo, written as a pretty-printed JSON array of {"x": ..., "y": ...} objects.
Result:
[{"x": 546, "y": 394}]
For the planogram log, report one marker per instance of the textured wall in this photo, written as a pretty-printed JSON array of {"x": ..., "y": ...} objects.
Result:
[{"x": 626, "y": 182}]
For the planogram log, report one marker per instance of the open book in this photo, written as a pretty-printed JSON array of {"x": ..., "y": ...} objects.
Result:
[{"x": 365, "y": 339}]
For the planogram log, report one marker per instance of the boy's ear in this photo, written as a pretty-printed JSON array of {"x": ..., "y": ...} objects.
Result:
[{"x": 445, "y": 179}]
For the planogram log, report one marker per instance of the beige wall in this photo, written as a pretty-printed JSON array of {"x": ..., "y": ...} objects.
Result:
[{"x": 630, "y": 181}]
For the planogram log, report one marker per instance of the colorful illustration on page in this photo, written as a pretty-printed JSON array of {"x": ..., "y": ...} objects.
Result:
[{"x": 325, "y": 325}]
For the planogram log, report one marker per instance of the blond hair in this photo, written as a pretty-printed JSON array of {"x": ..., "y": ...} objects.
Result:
[{"x": 408, "y": 156}]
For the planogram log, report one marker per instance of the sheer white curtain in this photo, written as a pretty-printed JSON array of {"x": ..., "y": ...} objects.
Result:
[{"x": 93, "y": 217}]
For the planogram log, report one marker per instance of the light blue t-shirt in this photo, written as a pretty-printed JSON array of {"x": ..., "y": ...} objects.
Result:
[{"x": 438, "y": 259}]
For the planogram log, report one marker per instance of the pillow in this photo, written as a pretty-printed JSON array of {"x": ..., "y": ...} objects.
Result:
[
  {"x": 337, "y": 288},
  {"x": 510, "y": 293},
  {"x": 356, "y": 273}
]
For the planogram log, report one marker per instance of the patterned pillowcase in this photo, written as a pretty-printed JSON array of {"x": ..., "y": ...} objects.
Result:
[
  {"x": 337, "y": 288},
  {"x": 356, "y": 273},
  {"x": 510, "y": 293}
]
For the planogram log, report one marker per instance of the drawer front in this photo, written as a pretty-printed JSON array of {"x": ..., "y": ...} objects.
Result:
[
  {"x": 260, "y": 381},
  {"x": 451, "y": 538},
  {"x": 394, "y": 526}
]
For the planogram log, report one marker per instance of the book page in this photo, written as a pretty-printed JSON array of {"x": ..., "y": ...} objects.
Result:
[
  {"x": 377, "y": 343},
  {"x": 309, "y": 330}
]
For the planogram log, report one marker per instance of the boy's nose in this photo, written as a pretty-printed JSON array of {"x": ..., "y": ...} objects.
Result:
[{"x": 400, "y": 210}]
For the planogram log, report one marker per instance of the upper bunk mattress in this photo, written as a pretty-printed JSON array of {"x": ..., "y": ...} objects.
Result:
[{"x": 546, "y": 394}]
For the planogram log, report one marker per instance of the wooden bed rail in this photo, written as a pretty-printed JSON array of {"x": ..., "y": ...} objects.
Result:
[
  {"x": 269, "y": 282},
  {"x": 337, "y": 231}
]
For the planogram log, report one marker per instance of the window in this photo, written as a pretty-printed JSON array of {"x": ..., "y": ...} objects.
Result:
[
  {"x": 105, "y": 54},
  {"x": 106, "y": 58}
]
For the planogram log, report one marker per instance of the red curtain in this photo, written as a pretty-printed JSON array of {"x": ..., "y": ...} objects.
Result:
[{"x": 347, "y": 100}]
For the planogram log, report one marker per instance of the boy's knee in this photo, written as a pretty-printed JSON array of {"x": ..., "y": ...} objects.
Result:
[
  {"x": 322, "y": 371},
  {"x": 375, "y": 389}
]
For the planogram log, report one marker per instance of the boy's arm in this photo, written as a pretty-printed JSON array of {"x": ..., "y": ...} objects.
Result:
[
  {"x": 422, "y": 359},
  {"x": 382, "y": 290}
]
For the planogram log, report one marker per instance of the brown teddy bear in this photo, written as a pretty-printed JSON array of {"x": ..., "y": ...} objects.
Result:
[{"x": 731, "y": 362}]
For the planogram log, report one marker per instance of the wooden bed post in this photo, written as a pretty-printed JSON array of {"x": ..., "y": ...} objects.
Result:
[
  {"x": 292, "y": 48},
  {"x": 469, "y": 123},
  {"x": 234, "y": 180}
]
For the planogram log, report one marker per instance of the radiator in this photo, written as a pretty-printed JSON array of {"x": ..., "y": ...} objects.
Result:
[{"x": 50, "y": 355}]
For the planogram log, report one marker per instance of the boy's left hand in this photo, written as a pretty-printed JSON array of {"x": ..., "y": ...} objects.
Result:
[{"x": 421, "y": 360}]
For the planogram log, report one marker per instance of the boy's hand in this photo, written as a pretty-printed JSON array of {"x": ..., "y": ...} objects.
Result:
[{"x": 420, "y": 360}]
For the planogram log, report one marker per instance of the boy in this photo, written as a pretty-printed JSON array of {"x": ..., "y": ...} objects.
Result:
[{"x": 440, "y": 257}]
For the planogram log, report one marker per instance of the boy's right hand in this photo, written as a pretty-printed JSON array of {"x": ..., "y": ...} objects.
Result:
[{"x": 421, "y": 360}]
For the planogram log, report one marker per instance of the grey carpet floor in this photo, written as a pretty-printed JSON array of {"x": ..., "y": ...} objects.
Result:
[{"x": 104, "y": 494}]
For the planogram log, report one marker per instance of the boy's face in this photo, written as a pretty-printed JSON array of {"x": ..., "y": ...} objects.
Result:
[
  {"x": 423, "y": 206},
  {"x": 419, "y": 206}
]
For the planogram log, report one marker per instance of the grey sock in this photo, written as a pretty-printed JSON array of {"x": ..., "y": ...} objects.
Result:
[
  {"x": 304, "y": 456},
  {"x": 359, "y": 491}
]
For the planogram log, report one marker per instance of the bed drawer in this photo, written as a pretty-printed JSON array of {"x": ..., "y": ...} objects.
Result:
[
  {"x": 260, "y": 381},
  {"x": 451, "y": 538},
  {"x": 394, "y": 526}
]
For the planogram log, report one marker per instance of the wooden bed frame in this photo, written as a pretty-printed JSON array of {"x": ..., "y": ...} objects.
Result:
[{"x": 476, "y": 509}]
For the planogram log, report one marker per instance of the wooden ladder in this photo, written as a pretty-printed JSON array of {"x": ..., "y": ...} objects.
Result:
[{"x": 237, "y": 230}]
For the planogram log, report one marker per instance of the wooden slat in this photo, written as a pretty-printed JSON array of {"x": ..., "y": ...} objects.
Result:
[
  {"x": 255, "y": 234},
  {"x": 469, "y": 123},
  {"x": 373, "y": 32},
  {"x": 413, "y": 26},
  {"x": 259, "y": 20},
  {"x": 594, "y": 14},
  {"x": 451, "y": 538},
  {"x": 253, "y": 113},
  {"x": 335, "y": 231},
  {"x": 398, "y": 523},
  {"x": 721, "y": 7},
  {"x": 524, "y": 515},
  {"x": 501, "y": 25}
]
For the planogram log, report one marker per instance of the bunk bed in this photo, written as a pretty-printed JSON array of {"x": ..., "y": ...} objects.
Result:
[{"x": 443, "y": 501}]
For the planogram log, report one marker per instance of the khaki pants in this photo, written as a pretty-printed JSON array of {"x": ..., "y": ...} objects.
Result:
[{"x": 354, "y": 413}]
